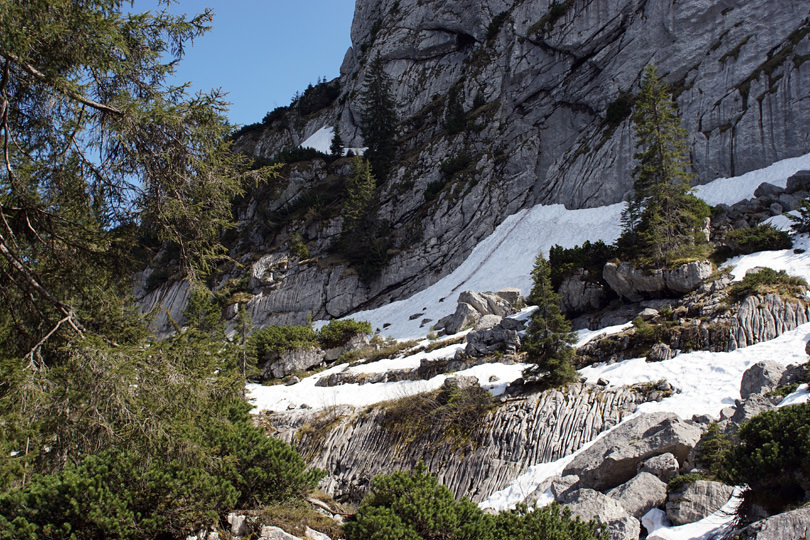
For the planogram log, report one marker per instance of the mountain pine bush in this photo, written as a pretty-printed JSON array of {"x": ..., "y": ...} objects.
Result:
[{"x": 413, "y": 505}]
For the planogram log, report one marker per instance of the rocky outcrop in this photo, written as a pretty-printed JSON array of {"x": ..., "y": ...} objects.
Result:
[
  {"x": 663, "y": 466},
  {"x": 762, "y": 318},
  {"x": 166, "y": 305},
  {"x": 695, "y": 501},
  {"x": 287, "y": 362},
  {"x": 636, "y": 284},
  {"x": 353, "y": 445},
  {"x": 472, "y": 306},
  {"x": 501, "y": 336},
  {"x": 793, "y": 524},
  {"x": 614, "y": 459},
  {"x": 579, "y": 294}
]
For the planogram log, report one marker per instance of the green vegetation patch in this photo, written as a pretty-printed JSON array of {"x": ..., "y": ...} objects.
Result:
[
  {"x": 763, "y": 237},
  {"x": 338, "y": 332},
  {"x": 767, "y": 281},
  {"x": 457, "y": 413}
]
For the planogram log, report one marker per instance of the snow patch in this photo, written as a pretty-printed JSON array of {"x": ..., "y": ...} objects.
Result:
[{"x": 321, "y": 140}]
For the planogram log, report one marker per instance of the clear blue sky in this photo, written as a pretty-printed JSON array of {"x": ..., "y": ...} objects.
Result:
[{"x": 263, "y": 51}]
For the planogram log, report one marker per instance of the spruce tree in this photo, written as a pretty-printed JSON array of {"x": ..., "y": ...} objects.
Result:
[
  {"x": 549, "y": 341},
  {"x": 379, "y": 119},
  {"x": 662, "y": 220},
  {"x": 455, "y": 120},
  {"x": 336, "y": 145}
]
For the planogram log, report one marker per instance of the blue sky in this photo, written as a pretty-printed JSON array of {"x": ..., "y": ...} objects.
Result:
[{"x": 262, "y": 51}]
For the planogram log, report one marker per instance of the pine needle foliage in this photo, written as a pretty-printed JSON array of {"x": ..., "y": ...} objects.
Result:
[
  {"x": 379, "y": 119},
  {"x": 663, "y": 219},
  {"x": 549, "y": 341}
]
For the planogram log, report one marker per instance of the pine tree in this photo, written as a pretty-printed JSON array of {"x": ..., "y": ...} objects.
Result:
[
  {"x": 359, "y": 193},
  {"x": 379, "y": 119},
  {"x": 662, "y": 220},
  {"x": 336, "y": 145},
  {"x": 549, "y": 338}
]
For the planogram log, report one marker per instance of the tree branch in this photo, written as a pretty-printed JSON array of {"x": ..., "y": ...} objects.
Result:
[{"x": 69, "y": 93}]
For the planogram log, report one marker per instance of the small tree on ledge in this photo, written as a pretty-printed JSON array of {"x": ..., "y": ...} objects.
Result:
[{"x": 549, "y": 341}]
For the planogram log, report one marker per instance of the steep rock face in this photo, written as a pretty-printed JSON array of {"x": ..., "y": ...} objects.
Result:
[
  {"x": 545, "y": 123},
  {"x": 354, "y": 446}
]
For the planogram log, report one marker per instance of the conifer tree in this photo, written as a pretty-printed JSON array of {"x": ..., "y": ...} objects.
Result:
[
  {"x": 359, "y": 193},
  {"x": 379, "y": 119},
  {"x": 549, "y": 341},
  {"x": 336, "y": 145},
  {"x": 662, "y": 219}
]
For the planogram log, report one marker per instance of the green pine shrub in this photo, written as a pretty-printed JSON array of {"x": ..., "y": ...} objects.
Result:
[
  {"x": 338, "y": 332},
  {"x": 549, "y": 339},
  {"x": 277, "y": 339},
  {"x": 773, "y": 459},
  {"x": 763, "y": 237}
]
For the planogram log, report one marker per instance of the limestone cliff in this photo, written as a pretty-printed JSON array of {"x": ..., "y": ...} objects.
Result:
[{"x": 545, "y": 87}]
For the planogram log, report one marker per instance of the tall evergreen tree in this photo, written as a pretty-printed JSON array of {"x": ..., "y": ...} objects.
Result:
[
  {"x": 379, "y": 119},
  {"x": 336, "y": 145},
  {"x": 549, "y": 341},
  {"x": 662, "y": 218}
]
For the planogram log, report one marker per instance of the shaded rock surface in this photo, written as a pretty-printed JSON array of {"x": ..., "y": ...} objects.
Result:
[
  {"x": 792, "y": 524},
  {"x": 695, "y": 501},
  {"x": 355, "y": 446},
  {"x": 761, "y": 377}
]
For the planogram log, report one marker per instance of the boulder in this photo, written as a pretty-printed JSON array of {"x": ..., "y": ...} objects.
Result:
[
  {"x": 590, "y": 504},
  {"x": 663, "y": 466},
  {"x": 357, "y": 341},
  {"x": 465, "y": 316},
  {"x": 798, "y": 182},
  {"x": 614, "y": 459},
  {"x": 239, "y": 524},
  {"x": 487, "y": 322},
  {"x": 511, "y": 295},
  {"x": 760, "y": 378},
  {"x": 768, "y": 191},
  {"x": 695, "y": 501},
  {"x": 268, "y": 270},
  {"x": 486, "y": 339},
  {"x": 289, "y": 361},
  {"x": 640, "y": 494},
  {"x": 312, "y": 534},
  {"x": 486, "y": 303},
  {"x": 556, "y": 487},
  {"x": 793, "y": 524},
  {"x": 749, "y": 408}
]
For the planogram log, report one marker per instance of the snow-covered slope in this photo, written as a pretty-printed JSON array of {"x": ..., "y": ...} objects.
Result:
[{"x": 505, "y": 258}]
